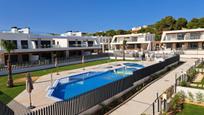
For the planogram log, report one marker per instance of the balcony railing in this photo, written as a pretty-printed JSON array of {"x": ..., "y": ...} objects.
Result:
[
  {"x": 134, "y": 40},
  {"x": 186, "y": 37},
  {"x": 49, "y": 62},
  {"x": 71, "y": 46}
]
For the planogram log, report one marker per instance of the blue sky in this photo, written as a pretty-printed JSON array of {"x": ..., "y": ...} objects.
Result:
[{"x": 92, "y": 15}]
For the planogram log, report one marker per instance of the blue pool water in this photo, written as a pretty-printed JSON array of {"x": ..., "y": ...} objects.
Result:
[{"x": 81, "y": 83}]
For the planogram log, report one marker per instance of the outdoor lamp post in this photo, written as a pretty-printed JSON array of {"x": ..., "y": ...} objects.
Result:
[
  {"x": 29, "y": 88},
  {"x": 82, "y": 61}
]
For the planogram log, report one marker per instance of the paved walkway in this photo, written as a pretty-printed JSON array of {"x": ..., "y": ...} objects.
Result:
[
  {"x": 41, "y": 86},
  {"x": 144, "y": 99}
]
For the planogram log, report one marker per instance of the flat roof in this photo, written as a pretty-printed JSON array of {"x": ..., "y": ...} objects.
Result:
[{"x": 5, "y": 35}]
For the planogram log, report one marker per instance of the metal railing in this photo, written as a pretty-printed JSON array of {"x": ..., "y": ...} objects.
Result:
[
  {"x": 183, "y": 77},
  {"x": 49, "y": 62},
  {"x": 85, "y": 101},
  {"x": 162, "y": 103}
]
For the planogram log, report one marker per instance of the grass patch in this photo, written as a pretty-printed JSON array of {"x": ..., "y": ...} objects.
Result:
[
  {"x": 7, "y": 94},
  {"x": 190, "y": 109}
]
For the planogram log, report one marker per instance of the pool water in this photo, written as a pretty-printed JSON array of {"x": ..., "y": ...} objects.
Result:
[{"x": 81, "y": 83}]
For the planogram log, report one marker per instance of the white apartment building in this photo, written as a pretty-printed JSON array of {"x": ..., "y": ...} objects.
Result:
[
  {"x": 72, "y": 33},
  {"x": 136, "y": 29},
  {"x": 105, "y": 43},
  {"x": 25, "y": 30},
  {"x": 31, "y": 47},
  {"x": 189, "y": 39},
  {"x": 140, "y": 41}
]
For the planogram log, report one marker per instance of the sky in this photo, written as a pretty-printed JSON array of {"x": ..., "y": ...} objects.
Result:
[{"x": 58, "y": 16}]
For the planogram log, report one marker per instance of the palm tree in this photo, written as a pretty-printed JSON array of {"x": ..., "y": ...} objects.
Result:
[
  {"x": 124, "y": 46},
  {"x": 8, "y": 46}
]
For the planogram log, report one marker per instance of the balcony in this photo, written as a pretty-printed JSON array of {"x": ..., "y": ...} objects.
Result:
[
  {"x": 55, "y": 48},
  {"x": 186, "y": 36}
]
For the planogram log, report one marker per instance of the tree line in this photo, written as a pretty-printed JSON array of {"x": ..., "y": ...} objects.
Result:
[{"x": 165, "y": 24}]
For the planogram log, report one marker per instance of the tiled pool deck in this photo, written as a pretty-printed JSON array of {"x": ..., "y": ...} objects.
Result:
[{"x": 41, "y": 86}]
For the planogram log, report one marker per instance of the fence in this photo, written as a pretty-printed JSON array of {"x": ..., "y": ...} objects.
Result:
[
  {"x": 24, "y": 67},
  {"x": 47, "y": 62},
  {"x": 161, "y": 103},
  {"x": 4, "y": 110},
  {"x": 140, "y": 55},
  {"x": 89, "y": 99},
  {"x": 184, "y": 77}
]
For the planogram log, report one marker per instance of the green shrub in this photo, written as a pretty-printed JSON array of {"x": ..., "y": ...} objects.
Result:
[
  {"x": 191, "y": 74},
  {"x": 199, "y": 97},
  {"x": 182, "y": 95},
  {"x": 177, "y": 101},
  {"x": 190, "y": 96},
  {"x": 183, "y": 83}
]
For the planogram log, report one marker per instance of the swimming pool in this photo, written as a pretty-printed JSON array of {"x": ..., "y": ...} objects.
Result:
[{"x": 68, "y": 87}]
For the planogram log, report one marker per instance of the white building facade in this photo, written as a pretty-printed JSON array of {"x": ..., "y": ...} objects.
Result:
[
  {"x": 32, "y": 47},
  {"x": 190, "y": 39},
  {"x": 105, "y": 43},
  {"x": 140, "y": 41},
  {"x": 72, "y": 33}
]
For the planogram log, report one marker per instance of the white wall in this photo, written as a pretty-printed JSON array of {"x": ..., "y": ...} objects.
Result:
[
  {"x": 202, "y": 35},
  {"x": 186, "y": 90},
  {"x": 12, "y": 36},
  {"x": 62, "y": 42},
  {"x": 72, "y": 34}
]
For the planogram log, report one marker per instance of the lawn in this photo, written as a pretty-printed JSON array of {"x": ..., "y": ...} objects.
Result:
[
  {"x": 7, "y": 94},
  {"x": 190, "y": 109}
]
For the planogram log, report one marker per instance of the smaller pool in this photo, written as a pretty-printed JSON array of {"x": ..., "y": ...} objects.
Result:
[
  {"x": 68, "y": 87},
  {"x": 133, "y": 65}
]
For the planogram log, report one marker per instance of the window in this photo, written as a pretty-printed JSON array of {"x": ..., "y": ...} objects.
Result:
[
  {"x": 179, "y": 45},
  {"x": 169, "y": 45},
  {"x": 126, "y": 38},
  {"x": 53, "y": 42},
  {"x": 180, "y": 36},
  {"x": 78, "y": 43},
  {"x": 72, "y": 44},
  {"x": 130, "y": 46},
  {"x": 90, "y": 43},
  {"x": 195, "y": 35},
  {"x": 45, "y": 44},
  {"x": 203, "y": 45},
  {"x": 115, "y": 40},
  {"x": 24, "y": 44},
  {"x": 171, "y": 37},
  {"x": 193, "y": 45},
  {"x": 134, "y": 39},
  {"x": 138, "y": 46},
  {"x": 14, "y": 42}
]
